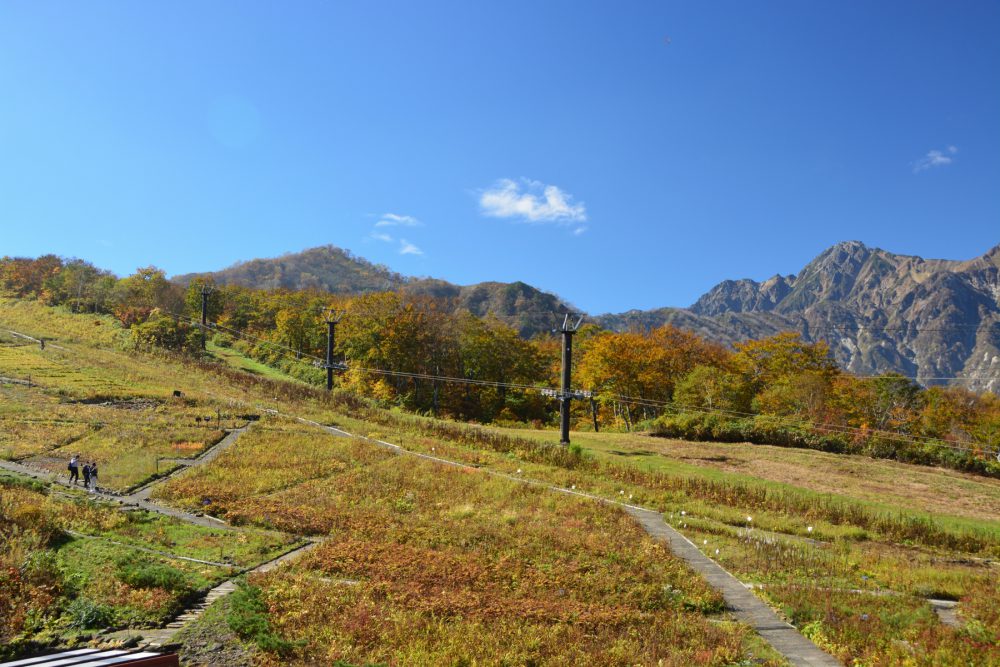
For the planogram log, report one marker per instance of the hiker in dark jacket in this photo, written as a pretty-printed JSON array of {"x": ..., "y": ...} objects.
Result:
[
  {"x": 93, "y": 476},
  {"x": 74, "y": 471},
  {"x": 86, "y": 475}
]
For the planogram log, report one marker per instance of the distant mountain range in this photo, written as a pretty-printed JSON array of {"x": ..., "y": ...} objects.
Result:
[
  {"x": 927, "y": 318},
  {"x": 333, "y": 269}
]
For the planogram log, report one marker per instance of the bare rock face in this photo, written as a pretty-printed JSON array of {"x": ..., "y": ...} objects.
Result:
[{"x": 927, "y": 318}]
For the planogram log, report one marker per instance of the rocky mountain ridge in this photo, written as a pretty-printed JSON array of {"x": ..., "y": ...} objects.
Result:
[{"x": 931, "y": 319}]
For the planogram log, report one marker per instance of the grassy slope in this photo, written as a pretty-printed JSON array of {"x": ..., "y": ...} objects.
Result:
[
  {"x": 802, "y": 575},
  {"x": 548, "y": 631},
  {"x": 898, "y": 485},
  {"x": 444, "y": 554},
  {"x": 236, "y": 360}
]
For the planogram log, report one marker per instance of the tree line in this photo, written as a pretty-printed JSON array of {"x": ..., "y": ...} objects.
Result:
[{"x": 778, "y": 390}]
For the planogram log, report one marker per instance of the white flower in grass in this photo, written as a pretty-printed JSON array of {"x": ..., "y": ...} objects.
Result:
[
  {"x": 716, "y": 552},
  {"x": 704, "y": 542},
  {"x": 809, "y": 529},
  {"x": 518, "y": 471},
  {"x": 749, "y": 519}
]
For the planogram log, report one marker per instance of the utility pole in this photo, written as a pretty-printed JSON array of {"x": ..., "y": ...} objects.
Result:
[
  {"x": 565, "y": 395},
  {"x": 331, "y": 317},
  {"x": 205, "y": 291}
]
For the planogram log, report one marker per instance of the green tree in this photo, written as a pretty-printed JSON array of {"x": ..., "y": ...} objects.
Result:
[
  {"x": 713, "y": 388},
  {"x": 192, "y": 299}
]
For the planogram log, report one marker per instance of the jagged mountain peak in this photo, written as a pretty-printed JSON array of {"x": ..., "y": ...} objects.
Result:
[
  {"x": 992, "y": 256},
  {"x": 879, "y": 311}
]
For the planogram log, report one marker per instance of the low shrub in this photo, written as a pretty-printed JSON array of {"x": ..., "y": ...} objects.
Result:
[
  {"x": 780, "y": 432},
  {"x": 146, "y": 574},
  {"x": 84, "y": 613},
  {"x": 248, "y": 618}
]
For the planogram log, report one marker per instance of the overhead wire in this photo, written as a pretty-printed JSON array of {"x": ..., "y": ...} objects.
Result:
[
  {"x": 299, "y": 354},
  {"x": 637, "y": 400},
  {"x": 379, "y": 371}
]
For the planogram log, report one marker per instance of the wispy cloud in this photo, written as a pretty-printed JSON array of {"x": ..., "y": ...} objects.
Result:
[
  {"x": 935, "y": 158},
  {"x": 580, "y": 230},
  {"x": 530, "y": 201},
  {"x": 379, "y": 232},
  {"x": 394, "y": 220},
  {"x": 407, "y": 248}
]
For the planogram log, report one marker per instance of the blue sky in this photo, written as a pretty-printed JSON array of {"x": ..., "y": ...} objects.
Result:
[{"x": 623, "y": 155}]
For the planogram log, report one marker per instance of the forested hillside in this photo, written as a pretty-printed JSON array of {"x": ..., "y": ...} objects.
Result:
[
  {"x": 411, "y": 350},
  {"x": 324, "y": 268},
  {"x": 328, "y": 268},
  {"x": 935, "y": 320}
]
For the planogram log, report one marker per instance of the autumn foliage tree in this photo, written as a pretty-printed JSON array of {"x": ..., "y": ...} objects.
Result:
[{"x": 418, "y": 353}]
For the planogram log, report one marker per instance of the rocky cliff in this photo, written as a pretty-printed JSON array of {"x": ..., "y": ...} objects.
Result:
[{"x": 927, "y": 318}]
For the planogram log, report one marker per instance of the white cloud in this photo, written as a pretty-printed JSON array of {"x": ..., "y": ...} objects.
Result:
[
  {"x": 531, "y": 201},
  {"x": 580, "y": 230},
  {"x": 935, "y": 158},
  {"x": 407, "y": 248},
  {"x": 379, "y": 236},
  {"x": 393, "y": 220}
]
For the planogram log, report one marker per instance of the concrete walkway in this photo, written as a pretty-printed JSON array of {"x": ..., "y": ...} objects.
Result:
[
  {"x": 746, "y": 606},
  {"x": 142, "y": 493},
  {"x": 946, "y": 612},
  {"x": 140, "y": 497}
]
